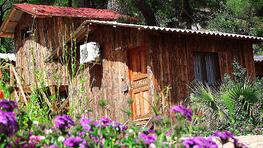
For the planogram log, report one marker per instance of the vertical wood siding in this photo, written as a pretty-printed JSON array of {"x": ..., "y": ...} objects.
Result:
[
  {"x": 49, "y": 34},
  {"x": 169, "y": 63}
]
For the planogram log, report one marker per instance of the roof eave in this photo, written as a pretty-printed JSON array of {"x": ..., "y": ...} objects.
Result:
[
  {"x": 6, "y": 35},
  {"x": 4, "y": 25},
  {"x": 3, "y": 29},
  {"x": 252, "y": 39}
]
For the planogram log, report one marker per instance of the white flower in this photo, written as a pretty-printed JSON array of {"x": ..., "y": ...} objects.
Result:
[
  {"x": 61, "y": 138},
  {"x": 48, "y": 131},
  {"x": 152, "y": 146},
  {"x": 35, "y": 122},
  {"x": 130, "y": 131}
]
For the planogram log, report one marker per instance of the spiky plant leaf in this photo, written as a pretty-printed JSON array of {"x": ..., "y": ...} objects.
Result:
[
  {"x": 229, "y": 104},
  {"x": 204, "y": 95}
]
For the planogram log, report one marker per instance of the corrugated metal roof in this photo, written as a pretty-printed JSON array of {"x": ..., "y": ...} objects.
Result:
[
  {"x": 176, "y": 30},
  {"x": 8, "y": 27},
  {"x": 258, "y": 58}
]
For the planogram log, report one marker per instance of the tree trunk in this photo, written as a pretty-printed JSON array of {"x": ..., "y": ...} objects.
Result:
[
  {"x": 146, "y": 11},
  {"x": 70, "y": 3},
  {"x": 187, "y": 14},
  {"x": 86, "y": 3}
]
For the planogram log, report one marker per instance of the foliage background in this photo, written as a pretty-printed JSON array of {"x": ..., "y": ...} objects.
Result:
[{"x": 234, "y": 16}]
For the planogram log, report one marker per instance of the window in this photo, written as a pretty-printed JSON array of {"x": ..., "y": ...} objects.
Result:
[
  {"x": 206, "y": 67},
  {"x": 25, "y": 32}
]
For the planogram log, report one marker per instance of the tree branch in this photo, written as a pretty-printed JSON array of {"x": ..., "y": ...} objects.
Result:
[
  {"x": 69, "y": 3},
  {"x": 3, "y": 3},
  {"x": 8, "y": 8},
  {"x": 146, "y": 11}
]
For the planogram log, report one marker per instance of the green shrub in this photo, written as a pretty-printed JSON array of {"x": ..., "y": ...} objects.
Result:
[{"x": 236, "y": 101}]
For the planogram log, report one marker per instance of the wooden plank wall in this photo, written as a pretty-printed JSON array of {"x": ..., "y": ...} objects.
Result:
[
  {"x": 109, "y": 77},
  {"x": 169, "y": 63},
  {"x": 227, "y": 49},
  {"x": 49, "y": 34}
]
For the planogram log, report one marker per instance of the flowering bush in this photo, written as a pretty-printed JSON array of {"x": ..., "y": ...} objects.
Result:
[
  {"x": 8, "y": 105},
  {"x": 63, "y": 122},
  {"x": 8, "y": 122},
  {"x": 105, "y": 132},
  {"x": 9, "y": 125},
  {"x": 201, "y": 142},
  {"x": 187, "y": 113}
]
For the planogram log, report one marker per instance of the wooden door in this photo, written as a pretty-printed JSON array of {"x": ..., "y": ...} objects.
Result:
[{"x": 139, "y": 83}]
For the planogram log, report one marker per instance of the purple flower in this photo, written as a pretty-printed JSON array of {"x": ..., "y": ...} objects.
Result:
[
  {"x": 85, "y": 123},
  {"x": 148, "y": 139},
  {"x": 187, "y": 113},
  {"x": 199, "y": 142},
  {"x": 150, "y": 131},
  {"x": 118, "y": 126},
  {"x": 73, "y": 142},
  {"x": 169, "y": 133},
  {"x": 105, "y": 121},
  {"x": 81, "y": 133},
  {"x": 53, "y": 146},
  {"x": 158, "y": 118},
  {"x": 63, "y": 122},
  {"x": 240, "y": 145},
  {"x": 98, "y": 139},
  {"x": 224, "y": 136},
  {"x": 8, "y": 123},
  {"x": 97, "y": 123},
  {"x": 94, "y": 138},
  {"x": 8, "y": 105}
]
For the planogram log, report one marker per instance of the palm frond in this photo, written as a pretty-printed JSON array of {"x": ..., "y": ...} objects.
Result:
[{"x": 204, "y": 95}]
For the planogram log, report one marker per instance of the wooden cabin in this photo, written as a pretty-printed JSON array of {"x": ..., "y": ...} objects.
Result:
[
  {"x": 137, "y": 62},
  {"x": 38, "y": 30},
  {"x": 259, "y": 65}
]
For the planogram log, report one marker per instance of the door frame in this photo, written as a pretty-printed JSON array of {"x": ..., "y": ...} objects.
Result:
[{"x": 129, "y": 60}]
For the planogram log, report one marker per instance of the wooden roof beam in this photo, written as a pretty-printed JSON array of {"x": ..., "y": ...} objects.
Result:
[{"x": 6, "y": 34}]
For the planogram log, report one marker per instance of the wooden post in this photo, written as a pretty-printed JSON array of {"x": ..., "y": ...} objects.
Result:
[
  {"x": 11, "y": 75},
  {"x": 52, "y": 90},
  {"x": 16, "y": 96},
  {"x": 19, "y": 84}
]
